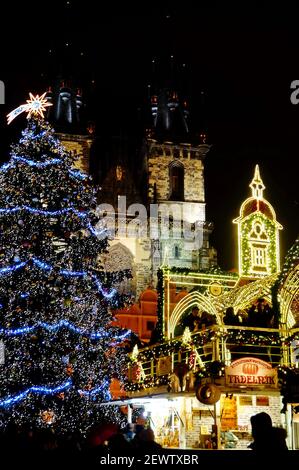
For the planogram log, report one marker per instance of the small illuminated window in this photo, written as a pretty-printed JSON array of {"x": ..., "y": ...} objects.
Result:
[
  {"x": 119, "y": 173},
  {"x": 259, "y": 255}
]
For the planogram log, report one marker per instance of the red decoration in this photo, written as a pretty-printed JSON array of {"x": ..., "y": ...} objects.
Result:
[
  {"x": 69, "y": 369},
  {"x": 192, "y": 359}
]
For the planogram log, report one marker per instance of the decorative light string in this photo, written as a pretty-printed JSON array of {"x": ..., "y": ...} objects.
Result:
[
  {"x": 64, "y": 272},
  {"x": 52, "y": 391},
  {"x": 29, "y": 134},
  {"x": 10, "y": 269},
  {"x": 62, "y": 324},
  {"x": 54, "y": 161},
  {"x": 31, "y": 210},
  {"x": 40, "y": 390}
]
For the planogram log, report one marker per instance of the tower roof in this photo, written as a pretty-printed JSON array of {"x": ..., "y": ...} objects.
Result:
[
  {"x": 170, "y": 116},
  {"x": 167, "y": 114},
  {"x": 257, "y": 186},
  {"x": 66, "y": 112},
  {"x": 257, "y": 202}
]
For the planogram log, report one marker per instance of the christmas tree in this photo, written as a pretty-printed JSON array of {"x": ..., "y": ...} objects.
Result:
[{"x": 58, "y": 348}]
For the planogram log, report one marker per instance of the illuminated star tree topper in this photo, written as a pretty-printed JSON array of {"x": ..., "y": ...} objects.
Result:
[{"x": 35, "y": 106}]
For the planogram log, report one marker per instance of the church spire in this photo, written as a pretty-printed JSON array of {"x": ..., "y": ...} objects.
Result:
[{"x": 257, "y": 186}]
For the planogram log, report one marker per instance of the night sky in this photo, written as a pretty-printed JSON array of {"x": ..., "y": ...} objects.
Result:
[{"x": 243, "y": 61}]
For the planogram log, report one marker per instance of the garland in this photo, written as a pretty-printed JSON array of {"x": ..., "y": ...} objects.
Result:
[
  {"x": 291, "y": 260},
  {"x": 252, "y": 338},
  {"x": 214, "y": 270},
  {"x": 213, "y": 369},
  {"x": 238, "y": 338},
  {"x": 173, "y": 346},
  {"x": 160, "y": 304},
  {"x": 293, "y": 337},
  {"x": 148, "y": 382}
]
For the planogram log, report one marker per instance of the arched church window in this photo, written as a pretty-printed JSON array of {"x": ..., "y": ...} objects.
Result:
[
  {"x": 176, "y": 252},
  {"x": 176, "y": 179}
]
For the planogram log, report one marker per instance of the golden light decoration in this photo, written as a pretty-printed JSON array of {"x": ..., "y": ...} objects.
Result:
[
  {"x": 35, "y": 106},
  {"x": 258, "y": 233},
  {"x": 288, "y": 295},
  {"x": 134, "y": 354},
  {"x": 187, "y": 338}
]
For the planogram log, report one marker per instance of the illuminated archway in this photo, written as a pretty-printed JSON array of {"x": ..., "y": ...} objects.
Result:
[
  {"x": 289, "y": 294},
  {"x": 244, "y": 296},
  {"x": 190, "y": 300}
]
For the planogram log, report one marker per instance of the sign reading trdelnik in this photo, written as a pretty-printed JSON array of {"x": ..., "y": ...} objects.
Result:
[{"x": 250, "y": 372}]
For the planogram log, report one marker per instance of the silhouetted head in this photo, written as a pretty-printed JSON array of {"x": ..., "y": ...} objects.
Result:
[
  {"x": 138, "y": 428},
  {"x": 230, "y": 311},
  {"x": 147, "y": 435},
  {"x": 195, "y": 311},
  {"x": 261, "y": 423}
]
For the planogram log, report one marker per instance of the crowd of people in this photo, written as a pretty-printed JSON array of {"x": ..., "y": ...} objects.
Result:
[
  {"x": 134, "y": 439},
  {"x": 196, "y": 320},
  {"x": 259, "y": 315},
  {"x": 104, "y": 439}
]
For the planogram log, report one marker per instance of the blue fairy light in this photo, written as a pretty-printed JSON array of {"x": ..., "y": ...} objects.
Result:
[
  {"x": 53, "y": 161},
  {"x": 7, "y": 402},
  {"x": 39, "y": 390},
  {"x": 10, "y": 269},
  {"x": 81, "y": 215},
  {"x": 100, "y": 334},
  {"x": 64, "y": 272},
  {"x": 24, "y": 295}
]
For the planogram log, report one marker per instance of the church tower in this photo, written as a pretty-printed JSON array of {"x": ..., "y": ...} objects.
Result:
[
  {"x": 66, "y": 117},
  {"x": 258, "y": 233},
  {"x": 175, "y": 181}
]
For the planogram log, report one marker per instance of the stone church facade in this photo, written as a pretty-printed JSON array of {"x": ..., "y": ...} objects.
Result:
[{"x": 167, "y": 178}]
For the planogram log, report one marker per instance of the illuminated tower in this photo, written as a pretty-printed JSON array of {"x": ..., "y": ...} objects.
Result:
[
  {"x": 258, "y": 233},
  {"x": 175, "y": 180}
]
